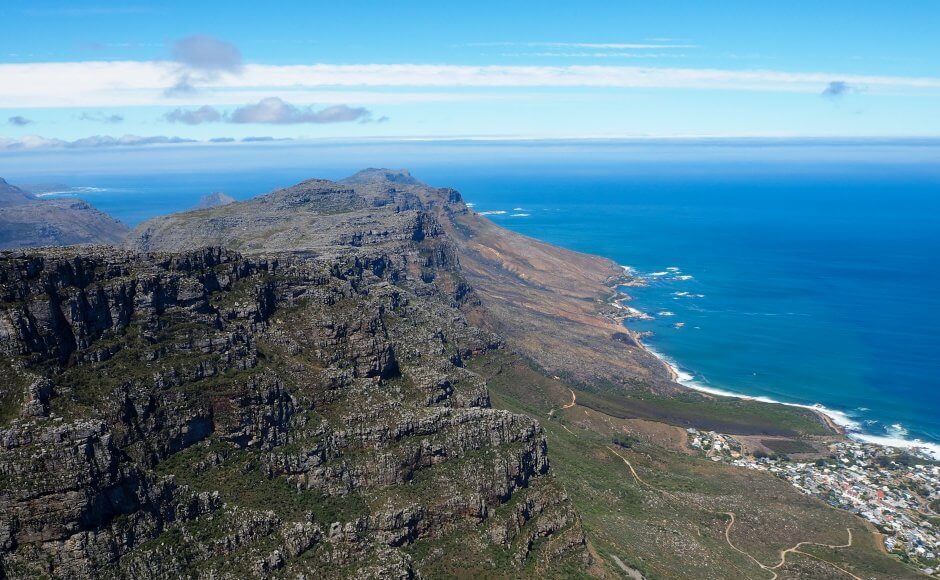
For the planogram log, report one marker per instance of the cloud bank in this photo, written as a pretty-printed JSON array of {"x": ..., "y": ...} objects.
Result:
[
  {"x": 102, "y": 118},
  {"x": 35, "y": 142},
  {"x": 93, "y": 142},
  {"x": 275, "y": 111},
  {"x": 272, "y": 111},
  {"x": 204, "y": 114},
  {"x": 126, "y": 83}
]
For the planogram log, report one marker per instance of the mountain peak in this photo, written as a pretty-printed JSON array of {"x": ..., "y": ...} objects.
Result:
[{"x": 215, "y": 199}]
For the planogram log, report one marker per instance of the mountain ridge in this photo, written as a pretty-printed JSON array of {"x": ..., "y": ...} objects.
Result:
[
  {"x": 366, "y": 378},
  {"x": 29, "y": 221}
]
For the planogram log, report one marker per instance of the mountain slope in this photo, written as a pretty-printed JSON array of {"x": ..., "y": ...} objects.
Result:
[
  {"x": 27, "y": 221},
  {"x": 342, "y": 370},
  {"x": 205, "y": 414},
  {"x": 550, "y": 303}
]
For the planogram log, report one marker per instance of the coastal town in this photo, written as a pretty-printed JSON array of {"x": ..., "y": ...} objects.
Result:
[{"x": 898, "y": 492}]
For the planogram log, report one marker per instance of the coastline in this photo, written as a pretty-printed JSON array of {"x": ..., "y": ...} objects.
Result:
[{"x": 838, "y": 421}]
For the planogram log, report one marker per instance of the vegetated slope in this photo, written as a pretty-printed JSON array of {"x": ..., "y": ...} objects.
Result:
[
  {"x": 206, "y": 414},
  {"x": 563, "y": 343},
  {"x": 663, "y": 511},
  {"x": 27, "y": 221},
  {"x": 548, "y": 302}
]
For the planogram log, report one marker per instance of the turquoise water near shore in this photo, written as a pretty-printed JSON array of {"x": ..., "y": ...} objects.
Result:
[{"x": 802, "y": 282}]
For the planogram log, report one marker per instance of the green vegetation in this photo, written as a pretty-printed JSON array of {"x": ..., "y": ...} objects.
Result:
[
  {"x": 788, "y": 446},
  {"x": 672, "y": 523},
  {"x": 240, "y": 478},
  {"x": 625, "y": 441},
  {"x": 726, "y": 415},
  {"x": 11, "y": 392}
]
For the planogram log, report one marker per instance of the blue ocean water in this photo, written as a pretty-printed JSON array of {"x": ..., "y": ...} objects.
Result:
[
  {"x": 802, "y": 287},
  {"x": 801, "y": 281}
]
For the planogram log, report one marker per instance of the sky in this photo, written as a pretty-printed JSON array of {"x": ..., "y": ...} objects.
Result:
[{"x": 80, "y": 74}]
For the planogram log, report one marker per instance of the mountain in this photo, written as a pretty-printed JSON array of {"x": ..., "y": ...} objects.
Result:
[
  {"x": 10, "y": 194},
  {"x": 214, "y": 199},
  {"x": 28, "y": 221},
  {"x": 208, "y": 413},
  {"x": 365, "y": 378}
]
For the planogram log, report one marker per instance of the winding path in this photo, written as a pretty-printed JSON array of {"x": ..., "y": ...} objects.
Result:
[
  {"x": 637, "y": 477},
  {"x": 574, "y": 400},
  {"x": 794, "y": 550},
  {"x": 783, "y": 553}
]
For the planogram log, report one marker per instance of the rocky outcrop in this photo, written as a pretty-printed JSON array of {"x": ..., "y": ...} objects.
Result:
[{"x": 205, "y": 413}]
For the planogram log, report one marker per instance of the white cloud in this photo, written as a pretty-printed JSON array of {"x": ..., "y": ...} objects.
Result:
[
  {"x": 273, "y": 110},
  {"x": 204, "y": 114},
  {"x": 100, "y": 117},
  {"x": 124, "y": 83},
  {"x": 205, "y": 53}
]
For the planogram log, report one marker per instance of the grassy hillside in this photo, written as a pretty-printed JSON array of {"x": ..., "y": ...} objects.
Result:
[{"x": 667, "y": 517}]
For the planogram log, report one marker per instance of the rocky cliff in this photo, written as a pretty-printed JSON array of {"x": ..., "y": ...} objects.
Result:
[{"x": 204, "y": 413}]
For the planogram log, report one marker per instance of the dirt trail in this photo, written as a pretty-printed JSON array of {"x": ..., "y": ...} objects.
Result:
[
  {"x": 631, "y": 572},
  {"x": 574, "y": 401},
  {"x": 783, "y": 553},
  {"x": 637, "y": 477}
]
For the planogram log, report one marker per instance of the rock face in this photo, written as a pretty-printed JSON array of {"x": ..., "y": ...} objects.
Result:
[
  {"x": 27, "y": 221},
  {"x": 550, "y": 303},
  {"x": 210, "y": 414}
]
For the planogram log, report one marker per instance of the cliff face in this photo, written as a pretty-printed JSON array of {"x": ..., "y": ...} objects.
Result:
[
  {"x": 206, "y": 413},
  {"x": 27, "y": 221},
  {"x": 550, "y": 303}
]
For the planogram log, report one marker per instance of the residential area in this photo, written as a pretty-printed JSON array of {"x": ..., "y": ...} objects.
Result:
[{"x": 898, "y": 492}]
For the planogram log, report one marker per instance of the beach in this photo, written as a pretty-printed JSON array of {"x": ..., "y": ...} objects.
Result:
[{"x": 836, "y": 420}]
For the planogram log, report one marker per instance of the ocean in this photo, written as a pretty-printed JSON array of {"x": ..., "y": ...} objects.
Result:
[{"x": 807, "y": 279}]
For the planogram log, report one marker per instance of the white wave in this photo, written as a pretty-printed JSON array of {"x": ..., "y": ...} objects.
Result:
[
  {"x": 666, "y": 313},
  {"x": 470, "y": 204},
  {"x": 896, "y": 431},
  {"x": 840, "y": 418},
  {"x": 628, "y": 269},
  {"x": 72, "y": 191},
  {"x": 519, "y": 215},
  {"x": 518, "y": 209},
  {"x": 493, "y": 212},
  {"x": 681, "y": 294},
  {"x": 658, "y": 274},
  {"x": 931, "y": 449},
  {"x": 673, "y": 268},
  {"x": 684, "y": 277}
]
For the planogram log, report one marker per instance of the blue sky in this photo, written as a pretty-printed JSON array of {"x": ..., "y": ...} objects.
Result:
[{"x": 89, "y": 74}]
